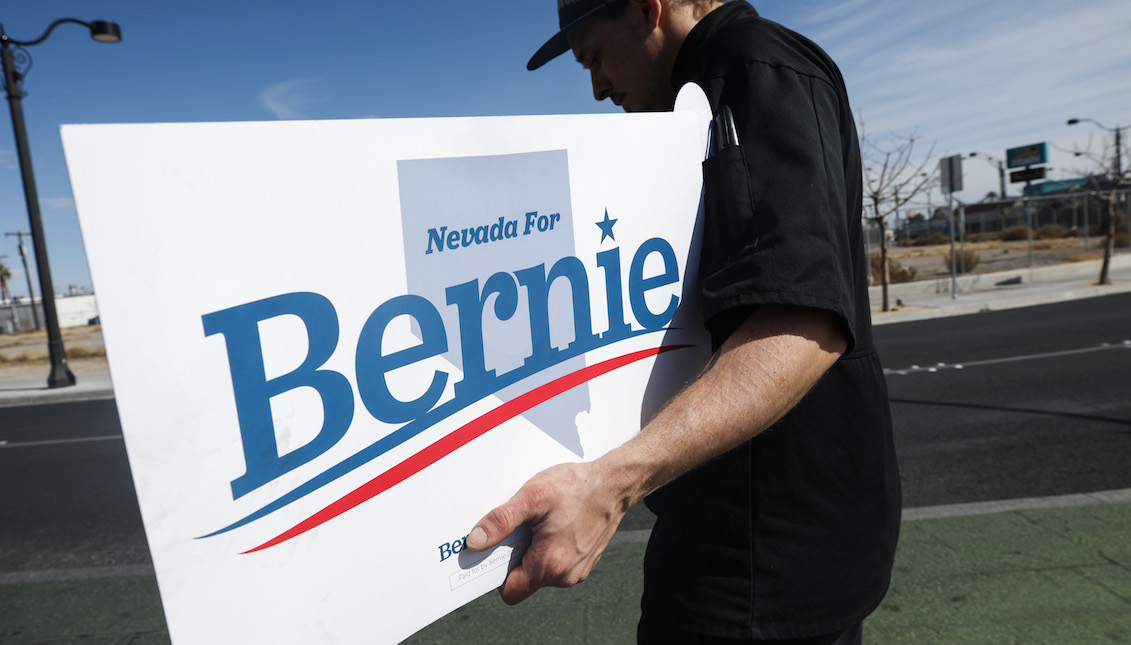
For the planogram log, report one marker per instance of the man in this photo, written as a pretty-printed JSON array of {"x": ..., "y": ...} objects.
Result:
[{"x": 778, "y": 492}]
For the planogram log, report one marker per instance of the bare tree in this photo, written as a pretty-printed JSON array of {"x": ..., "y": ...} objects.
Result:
[
  {"x": 892, "y": 175},
  {"x": 1111, "y": 185}
]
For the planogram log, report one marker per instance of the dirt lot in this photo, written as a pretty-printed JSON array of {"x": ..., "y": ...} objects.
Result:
[
  {"x": 25, "y": 355},
  {"x": 930, "y": 262}
]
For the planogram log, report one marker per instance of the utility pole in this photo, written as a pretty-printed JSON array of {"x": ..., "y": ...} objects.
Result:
[
  {"x": 7, "y": 297},
  {"x": 994, "y": 161},
  {"x": 30, "y": 293}
]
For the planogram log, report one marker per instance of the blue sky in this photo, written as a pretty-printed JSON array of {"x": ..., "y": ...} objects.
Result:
[{"x": 965, "y": 74}]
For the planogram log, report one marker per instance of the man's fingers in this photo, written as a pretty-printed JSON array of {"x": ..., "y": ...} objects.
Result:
[{"x": 518, "y": 586}]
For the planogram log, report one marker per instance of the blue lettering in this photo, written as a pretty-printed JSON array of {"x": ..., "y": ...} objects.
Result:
[
  {"x": 447, "y": 550},
  {"x": 373, "y": 364},
  {"x": 542, "y": 222},
  {"x": 537, "y": 285},
  {"x": 253, "y": 392},
  {"x": 638, "y": 284},
  {"x": 436, "y": 238},
  {"x": 497, "y": 230},
  {"x": 618, "y": 328},
  {"x": 470, "y": 304}
]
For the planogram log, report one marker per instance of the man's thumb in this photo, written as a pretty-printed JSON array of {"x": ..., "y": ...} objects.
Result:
[
  {"x": 477, "y": 539},
  {"x": 490, "y": 530}
]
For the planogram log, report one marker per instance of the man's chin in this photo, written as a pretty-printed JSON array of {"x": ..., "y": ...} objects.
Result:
[{"x": 665, "y": 108}]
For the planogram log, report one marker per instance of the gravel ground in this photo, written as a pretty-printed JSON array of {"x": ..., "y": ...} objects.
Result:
[
  {"x": 931, "y": 262},
  {"x": 25, "y": 355}
]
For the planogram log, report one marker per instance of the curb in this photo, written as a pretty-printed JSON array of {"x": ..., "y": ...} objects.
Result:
[
  {"x": 94, "y": 386},
  {"x": 997, "y": 303},
  {"x": 42, "y": 399}
]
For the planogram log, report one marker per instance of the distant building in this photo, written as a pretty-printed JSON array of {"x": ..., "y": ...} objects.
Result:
[
  {"x": 1071, "y": 203},
  {"x": 76, "y": 311}
]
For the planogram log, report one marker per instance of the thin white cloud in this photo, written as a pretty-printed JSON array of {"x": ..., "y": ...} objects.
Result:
[
  {"x": 289, "y": 99},
  {"x": 976, "y": 75},
  {"x": 57, "y": 202}
]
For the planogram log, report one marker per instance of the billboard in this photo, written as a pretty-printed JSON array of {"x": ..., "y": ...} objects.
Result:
[
  {"x": 1027, "y": 175},
  {"x": 1030, "y": 155}
]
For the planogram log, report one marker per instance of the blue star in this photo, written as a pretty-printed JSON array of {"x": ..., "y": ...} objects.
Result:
[{"x": 607, "y": 227}]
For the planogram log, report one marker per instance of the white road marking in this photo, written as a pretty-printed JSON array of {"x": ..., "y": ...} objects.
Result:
[
  {"x": 56, "y": 442},
  {"x": 934, "y": 369}
]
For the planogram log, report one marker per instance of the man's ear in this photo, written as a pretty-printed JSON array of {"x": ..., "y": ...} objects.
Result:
[{"x": 650, "y": 10}]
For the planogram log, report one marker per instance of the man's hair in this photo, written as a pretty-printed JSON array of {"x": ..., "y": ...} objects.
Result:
[{"x": 699, "y": 7}]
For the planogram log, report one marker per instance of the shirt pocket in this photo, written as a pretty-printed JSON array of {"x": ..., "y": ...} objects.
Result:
[{"x": 730, "y": 227}]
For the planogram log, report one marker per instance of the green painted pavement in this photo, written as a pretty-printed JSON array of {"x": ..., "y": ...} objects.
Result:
[
  {"x": 107, "y": 611},
  {"x": 1045, "y": 576},
  {"x": 1059, "y": 575}
]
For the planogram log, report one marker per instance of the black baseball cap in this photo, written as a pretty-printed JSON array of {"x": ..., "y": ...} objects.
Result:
[{"x": 570, "y": 13}]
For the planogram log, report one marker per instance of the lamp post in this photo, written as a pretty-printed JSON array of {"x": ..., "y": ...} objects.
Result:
[
  {"x": 16, "y": 62},
  {"x": 1117, "y": 182},
  {"x": 1118, "y": 132},
  {"x": 1000, "y": 169}
]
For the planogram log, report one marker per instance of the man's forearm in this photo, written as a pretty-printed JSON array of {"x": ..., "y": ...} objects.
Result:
[
  {"x": 764, "y": 369},
  {"x": 761, "y": 372}
]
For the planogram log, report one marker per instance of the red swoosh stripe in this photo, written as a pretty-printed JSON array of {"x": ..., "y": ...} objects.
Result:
[{"x": 459, "y": 438}]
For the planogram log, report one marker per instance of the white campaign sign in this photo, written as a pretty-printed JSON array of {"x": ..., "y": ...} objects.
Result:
[{"x": 336, "y": 345}]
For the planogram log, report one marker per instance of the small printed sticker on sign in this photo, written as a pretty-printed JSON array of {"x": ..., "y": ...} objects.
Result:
[{"x": 476, "y": 565}]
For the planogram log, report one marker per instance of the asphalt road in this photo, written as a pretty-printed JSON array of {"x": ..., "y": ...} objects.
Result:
[
  {"x": 1026, "y": 403},
  {"x": 68, "y": 498}
]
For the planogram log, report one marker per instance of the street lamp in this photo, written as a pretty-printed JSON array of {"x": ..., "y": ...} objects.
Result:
[
  {"x": 1118, "y": 131},
  {"x": 16, "y": 62},
  {"x": 1000, "y": 169}
]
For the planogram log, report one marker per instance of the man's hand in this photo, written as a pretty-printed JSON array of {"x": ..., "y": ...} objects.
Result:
[
  {"x": 572, "y": 511},
  {"x": 763, "y": 369}
]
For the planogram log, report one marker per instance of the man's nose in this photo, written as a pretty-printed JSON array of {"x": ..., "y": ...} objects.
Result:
[{"x": 601, "y": 86}]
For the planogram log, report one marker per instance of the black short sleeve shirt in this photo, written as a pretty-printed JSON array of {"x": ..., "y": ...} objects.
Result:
[{"x": 793, "y": 533}]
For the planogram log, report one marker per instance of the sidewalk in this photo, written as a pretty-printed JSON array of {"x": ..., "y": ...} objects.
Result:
[
  {"x": 1055, "y": 570},
  {"x": 997, "y": 291},
  {"x": 34, "y": 391},
  {"x": 1033, "y": 571}
]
